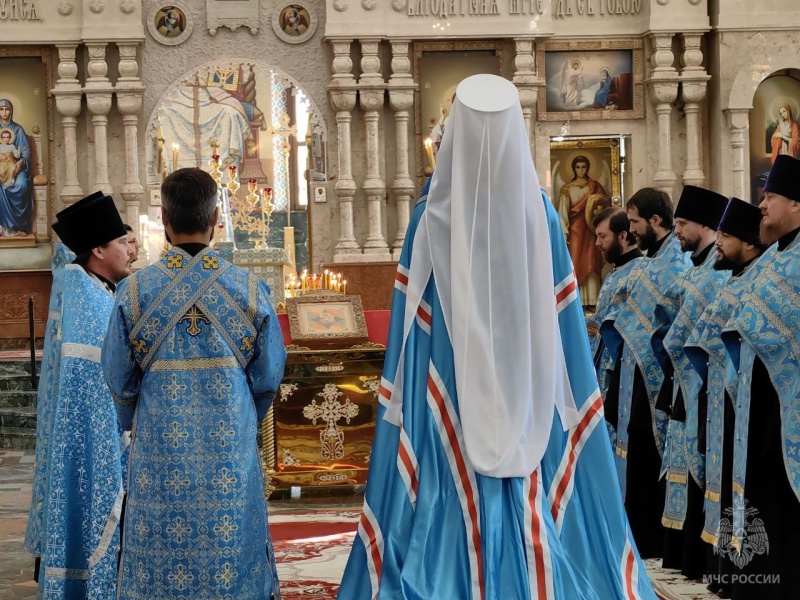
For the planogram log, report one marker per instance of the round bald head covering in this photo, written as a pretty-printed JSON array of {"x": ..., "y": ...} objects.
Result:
[{"x": 484, "y": 236}]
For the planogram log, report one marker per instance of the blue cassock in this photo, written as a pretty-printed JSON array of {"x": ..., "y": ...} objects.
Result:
[
  {"x": 194, "y": 356},
  {"x": 83, "y": 473},
  {"x": 712, "y": 363},
  {"x": 613, "y": 295},
  {"x": 766, "y": 327},
  {"x": 691, "y": 294},
  {"x": 432, "y": 527},
  {"x": 46, "y": 400},
  {"x": 637, "y": 324}
]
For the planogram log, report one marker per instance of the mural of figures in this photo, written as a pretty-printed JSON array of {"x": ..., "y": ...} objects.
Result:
[
  {"x": 16, "y": 175},
  {"x": 589, "y": 81},
  {"x": 774, "y": 127}
]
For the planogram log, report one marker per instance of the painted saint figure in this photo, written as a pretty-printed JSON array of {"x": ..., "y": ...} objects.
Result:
[
  {"x": 571, "y": 82},
  {"x": 16, "y": 192},
  {"x": 578, "y": 202},
  {"x": 293, "y": 21},
  {"x": 601, "y": 95},
  {"x": 172, "y": 23},
  {"x": 786, "y": 139}
]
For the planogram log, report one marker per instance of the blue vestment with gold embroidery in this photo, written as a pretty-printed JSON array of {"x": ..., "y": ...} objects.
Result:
[
  {"x": 765, "y": 327},
  {"x": 637, "y": 324},
  {"x": 83, "y": 490},
  {"x": 695, "y": 291},
  {"x": 708, "y": 356},
  {"x": 47, "y": 392},
  {"x": 194, "y": 356}
]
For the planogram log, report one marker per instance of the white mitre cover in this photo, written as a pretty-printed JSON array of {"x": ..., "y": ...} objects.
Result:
[{"x": 485, "y": 237}]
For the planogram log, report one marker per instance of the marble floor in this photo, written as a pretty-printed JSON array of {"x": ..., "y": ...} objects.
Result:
[{"x": 310, "y": 567}]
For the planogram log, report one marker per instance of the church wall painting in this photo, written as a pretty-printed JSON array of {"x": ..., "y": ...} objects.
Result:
[
  {"x": 294, "y": 21},
  {"x": 774, "y": 127},
  {"x": 168, "y": 23},
  {"x": 26, "y": 158},
  {"x": 586, "y": 178},
  {"x": 591, "y": 80},
  {"x": 438, "y": 69}
]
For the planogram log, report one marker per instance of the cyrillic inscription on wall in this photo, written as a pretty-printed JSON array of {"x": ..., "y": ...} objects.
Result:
[
  {"x": 18, "y": 10},
  {"x": 560, "y": 8}
]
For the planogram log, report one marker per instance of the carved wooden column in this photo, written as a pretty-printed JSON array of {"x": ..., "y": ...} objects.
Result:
[
  {"x": 129, "y": 91},
  {"x": 98, "y": 91},
  {"x": 738, "y": 120},
  {"x": 693, "y": 90},
  {"x": 663, "y": 83},
  {"x": 401, "y": 99},
  {"x": 371, "y": 92},
  {"x": 67, "y": 92},
  {"x": 527, "y": 83},
  {"x": 342, "y": 90}
]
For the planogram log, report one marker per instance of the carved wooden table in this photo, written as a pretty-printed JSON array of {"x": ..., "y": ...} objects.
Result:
[{"x": 320, "y": 428}]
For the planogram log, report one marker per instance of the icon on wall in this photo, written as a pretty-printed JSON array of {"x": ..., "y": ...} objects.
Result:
[
  {"x": 294, "y": 22},
  {"x": 168, "y": 23}
]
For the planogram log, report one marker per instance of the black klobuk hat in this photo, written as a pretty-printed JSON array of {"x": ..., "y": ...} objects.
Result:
[
  {"x": 784, "y": 177},
  {"x": 701, "y": 206},
  {"x": 741, "y": 220},
  {"x": 89, "y": 223}
]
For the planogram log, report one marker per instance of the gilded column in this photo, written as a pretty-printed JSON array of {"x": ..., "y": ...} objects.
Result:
[
  {"x": 663, "y": 84},
  {"x": 371, "y": 93},
  {"x": 67, "y": 93},
  {"x": 129, "y": 92},
  {"x": 98, "y": 92},
  {"x": 401, "y": 99},
  {"x": 737, "y": 121},
  {"x": 693, "y": 90},
  {"x": 342, "y": 90}
]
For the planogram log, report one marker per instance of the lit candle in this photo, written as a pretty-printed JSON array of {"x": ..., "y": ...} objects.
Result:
[
  {"x": 325, "y": 279},
  {"x": 251, "y": 185},
  {"x": 429, "y": 151},
  {"x": 344, "y": 286},
  {"x": 175, "y": 149}
]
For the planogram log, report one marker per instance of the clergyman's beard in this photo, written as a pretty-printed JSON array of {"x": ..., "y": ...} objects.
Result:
[
  {"x": 688, "y": 245},
  {"x": 648, "y": 239},
  {"x": 727, "y": 264},
  {"x": 613, "y": 253}
]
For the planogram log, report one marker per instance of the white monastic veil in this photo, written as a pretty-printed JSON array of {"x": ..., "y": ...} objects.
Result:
[{"x": 485, "y": 237}]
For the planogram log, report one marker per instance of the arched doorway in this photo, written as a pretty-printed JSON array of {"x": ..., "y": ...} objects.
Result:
[{"x": 257, "y": 120}]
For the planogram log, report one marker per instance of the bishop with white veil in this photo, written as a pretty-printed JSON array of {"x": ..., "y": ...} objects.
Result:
[{"x": 489, "y": 477}]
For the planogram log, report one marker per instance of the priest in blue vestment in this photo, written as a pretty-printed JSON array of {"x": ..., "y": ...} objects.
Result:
[
  {"x": 641, "y": 427},
  {"x": 47, "y": 391},
  {"x": 697, "y": 216},
  {"x": 491, "y": 474},
  {"x": 194, "y": 356},
  {"x": 762, "y": 337},
  {"x": 738, "y": 249},
  {"x": 78, "y": 491},
  {"x": 618, "y": 247}
]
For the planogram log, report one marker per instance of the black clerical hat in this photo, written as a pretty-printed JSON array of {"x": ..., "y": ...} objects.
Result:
[
  {"x": 784, "y": 177},
  {"x": 701, "y": 206},
  {"x": 741, "y": 220},
  {"x": 89, "y": 223}
]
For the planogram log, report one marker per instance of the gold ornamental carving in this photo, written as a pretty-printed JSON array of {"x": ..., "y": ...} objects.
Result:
[{"x": 330, "y": 411}]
